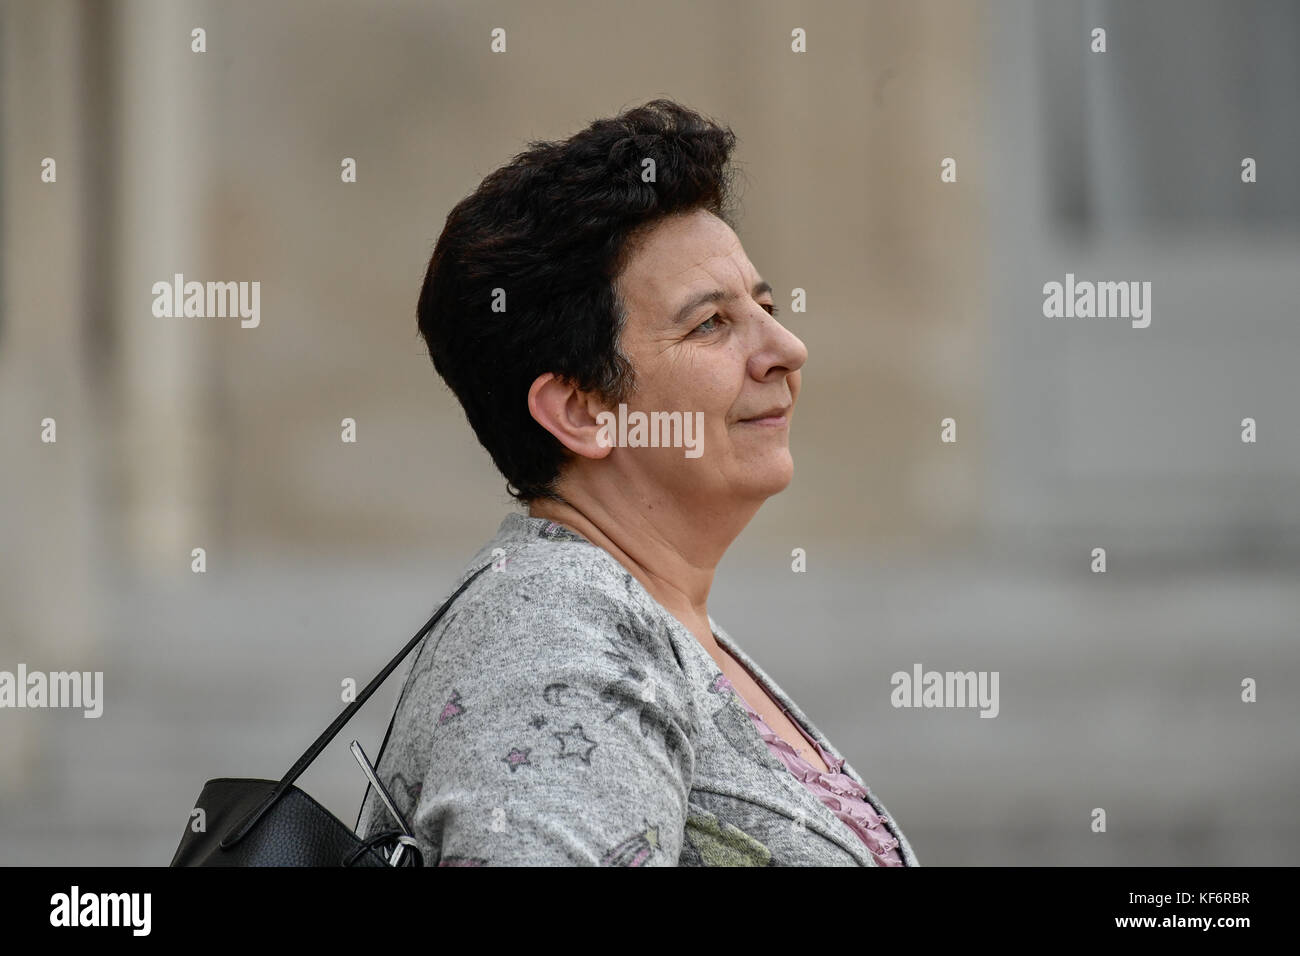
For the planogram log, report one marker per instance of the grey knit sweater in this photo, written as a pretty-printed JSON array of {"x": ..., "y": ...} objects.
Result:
[{"x": 559, "y": 715}]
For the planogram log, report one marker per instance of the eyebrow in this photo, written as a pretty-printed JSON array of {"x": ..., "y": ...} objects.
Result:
[{"x": 715, "y": 295}]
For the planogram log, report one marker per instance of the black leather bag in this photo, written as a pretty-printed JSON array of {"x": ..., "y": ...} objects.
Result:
[{"x": 249, "y": 822}]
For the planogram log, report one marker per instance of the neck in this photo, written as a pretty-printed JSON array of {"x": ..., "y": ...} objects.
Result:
[{"x": 674, "y": 557}]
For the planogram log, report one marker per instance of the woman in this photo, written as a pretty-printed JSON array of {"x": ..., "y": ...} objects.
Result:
[{"x": 578, "y": 704}]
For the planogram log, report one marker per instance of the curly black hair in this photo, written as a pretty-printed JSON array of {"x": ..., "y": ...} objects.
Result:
[{"x": 522, "y": 279}]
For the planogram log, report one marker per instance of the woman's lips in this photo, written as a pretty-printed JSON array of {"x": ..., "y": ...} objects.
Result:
[{"x": 774, "y": 422}]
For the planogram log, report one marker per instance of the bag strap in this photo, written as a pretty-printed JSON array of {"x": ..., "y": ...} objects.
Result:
[{"x": 332, "y": 730}]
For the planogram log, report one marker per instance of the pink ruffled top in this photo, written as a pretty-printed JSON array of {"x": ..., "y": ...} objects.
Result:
[{"x": 841, "y": 793}]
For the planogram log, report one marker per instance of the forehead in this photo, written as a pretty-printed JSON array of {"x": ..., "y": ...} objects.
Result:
[{"x": 679, "y": 254}]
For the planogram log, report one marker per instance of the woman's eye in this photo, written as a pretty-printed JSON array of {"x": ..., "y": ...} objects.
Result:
[
  {"x": 704, "y": 323},
  {"x": 771, "y": 310}
]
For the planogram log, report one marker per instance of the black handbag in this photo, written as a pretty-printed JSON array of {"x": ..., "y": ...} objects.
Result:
[{"x": 249, "y": 822}]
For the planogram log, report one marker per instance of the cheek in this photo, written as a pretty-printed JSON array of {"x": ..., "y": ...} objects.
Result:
[
  {"x": 714, "y": 395},
  {"x": 710, "y": 381}
]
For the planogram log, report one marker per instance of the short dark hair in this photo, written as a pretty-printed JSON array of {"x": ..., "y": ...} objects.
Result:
[{"x": 554, "y": 228}]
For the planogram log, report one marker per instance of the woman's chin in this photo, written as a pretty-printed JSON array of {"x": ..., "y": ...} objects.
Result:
[{"x": 769, "y": 477}]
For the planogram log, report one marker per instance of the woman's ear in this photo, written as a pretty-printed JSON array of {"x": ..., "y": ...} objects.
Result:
[{"x": 570, "y": 414}]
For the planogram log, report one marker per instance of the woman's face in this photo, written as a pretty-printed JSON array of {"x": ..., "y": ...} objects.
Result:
[{"x": 726, "y": 357}]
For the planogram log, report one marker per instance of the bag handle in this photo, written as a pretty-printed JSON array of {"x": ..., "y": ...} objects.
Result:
[{"x": 332, "y": 730}]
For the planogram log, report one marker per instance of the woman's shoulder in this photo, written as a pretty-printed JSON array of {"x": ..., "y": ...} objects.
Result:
[
  {"x": 534, "y": 558},
  {"x": 545, "y": 590}
]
